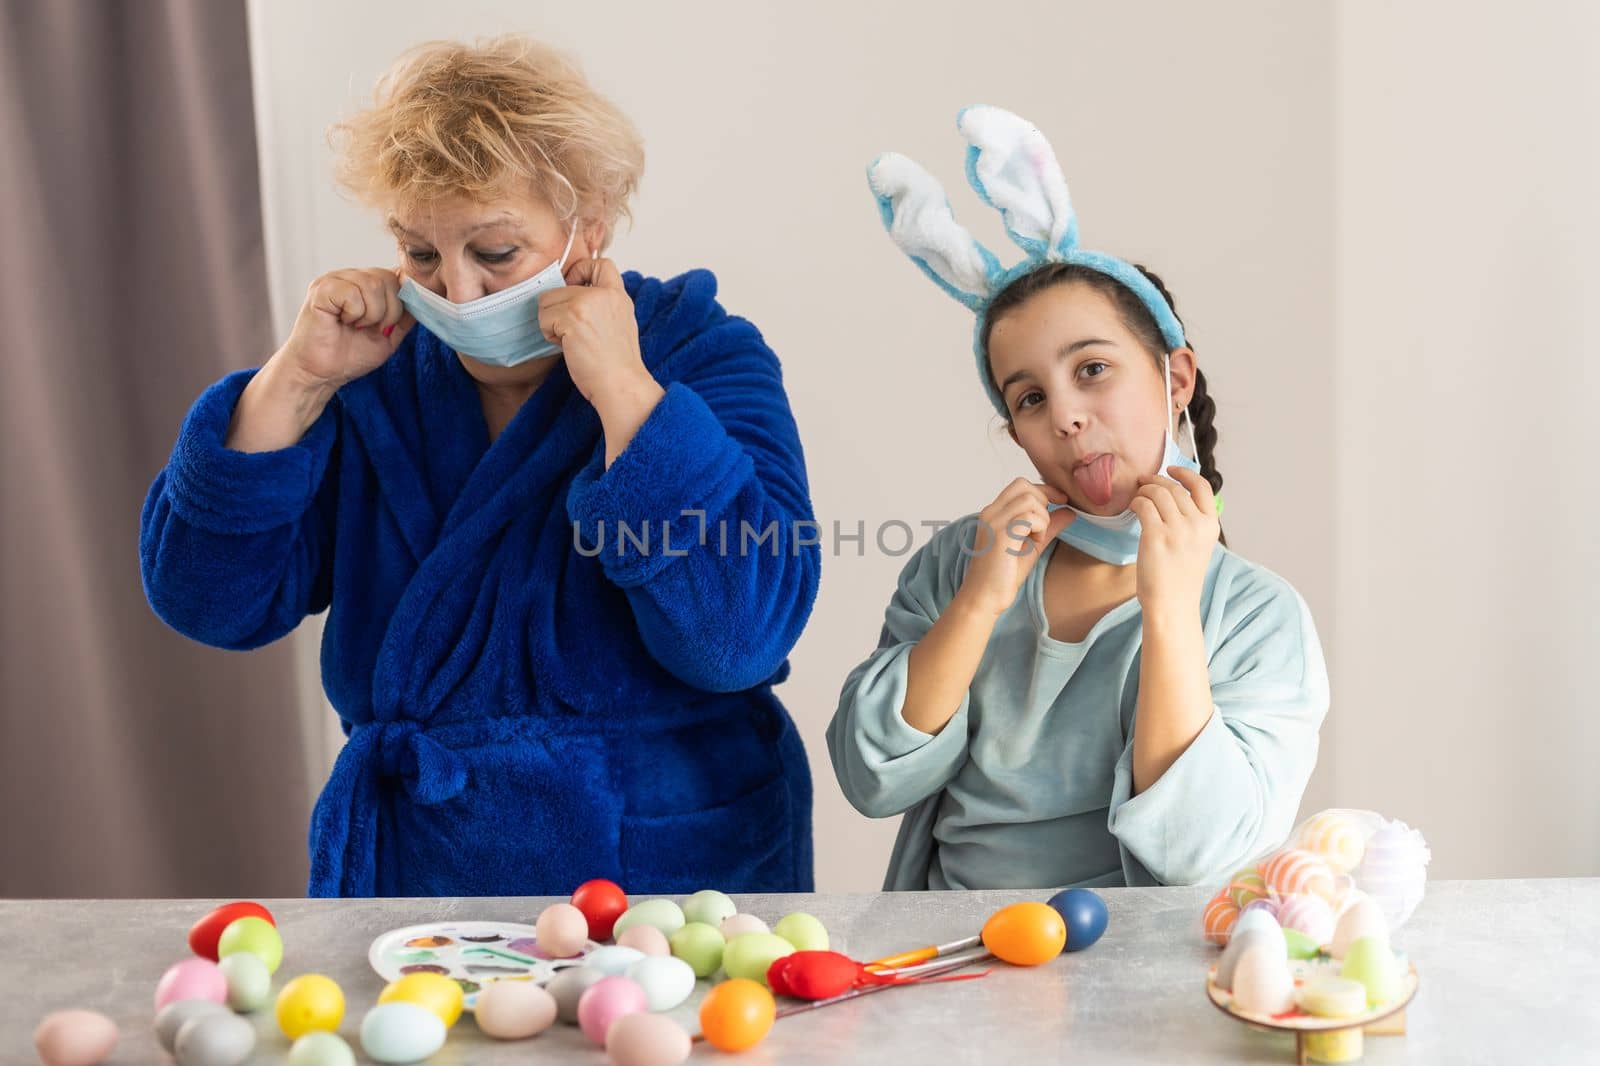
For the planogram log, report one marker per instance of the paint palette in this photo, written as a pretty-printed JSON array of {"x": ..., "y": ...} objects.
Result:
[{"x": 471, "y": 953}]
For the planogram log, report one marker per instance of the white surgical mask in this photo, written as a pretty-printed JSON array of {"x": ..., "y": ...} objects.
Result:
[
  {"x": 501, "y": 328},
  {"x": 1114, "y": 538}
]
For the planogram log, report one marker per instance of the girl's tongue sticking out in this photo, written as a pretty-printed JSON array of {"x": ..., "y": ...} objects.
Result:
[{"x": 1094, "y": 478}]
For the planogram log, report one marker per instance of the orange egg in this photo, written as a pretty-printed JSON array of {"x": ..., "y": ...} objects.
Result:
[
  {"x": 737, "y": 1015},
  {"x": 1025, "y": 934}
]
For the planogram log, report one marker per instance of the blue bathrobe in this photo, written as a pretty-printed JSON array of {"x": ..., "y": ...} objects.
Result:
[{"x": 547, "y": 670}]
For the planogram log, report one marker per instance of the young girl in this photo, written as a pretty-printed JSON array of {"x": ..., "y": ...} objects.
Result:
[{"x": 1079, "y": 685}]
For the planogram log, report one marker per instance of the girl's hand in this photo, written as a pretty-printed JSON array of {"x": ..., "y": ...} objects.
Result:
[
  {"x": 1178, "y": 531},
  {"x": 351, "y": 322},
  {"x": 1011, "y": 534}
]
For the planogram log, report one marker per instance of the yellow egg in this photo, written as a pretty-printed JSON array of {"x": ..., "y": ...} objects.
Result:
[
  {"x": 310, "y": 1003},
  {"x": 438, "y": 993},
  {"x": 1025, "y": 934}
]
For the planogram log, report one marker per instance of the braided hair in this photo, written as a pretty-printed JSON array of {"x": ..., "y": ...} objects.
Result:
[{"x": 1140, "y": 322}]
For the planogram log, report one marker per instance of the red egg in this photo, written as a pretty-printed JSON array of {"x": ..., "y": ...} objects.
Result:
[
  {"x": 205, "y": 933},
  {"x": 602, "y": 903}
]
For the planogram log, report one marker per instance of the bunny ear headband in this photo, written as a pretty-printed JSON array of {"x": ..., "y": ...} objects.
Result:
[{"x": 1014, "y": 171}]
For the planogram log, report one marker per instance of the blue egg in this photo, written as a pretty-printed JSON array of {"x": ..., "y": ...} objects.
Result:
[{"x": 1085, "y": 915}]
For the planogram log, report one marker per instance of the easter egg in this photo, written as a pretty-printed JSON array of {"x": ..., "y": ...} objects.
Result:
[
  {"x": 249, "y": 983},
  {"x": 204, "y": 934},
  {"x": 664, "y": 914},
  {"x": 74, "y": 1038},
  {"x": 1327, "y": 996},
  {"x": 1025, "y": 934},
  {"x": 432, "y": 991},
  {"x": 1393, "y": 871},
  {"x": 1257, "y": 919},
  {"x": 191, "y": 979},
  {"x": 1265, "y": 903},
  {"x": 646, "y": 939},
  {"x": 172, "y": 1017},
  {"x": 1363, "y": 918},
  {"x": 1299, "y": 945},
  {"x": 803, "y": 931},
  {"x": 562, "y": 931},
  {"x": 607, "y": 1000},
  {"x": 321, "y": 1049},
  {"x": 215, "y": 1040},
  {"x": 514, "y": 1010},
  {"x": 602, "y": 903},
  {"x": 1084, "y": 913},
  {"x": 612, "y": 959},
  {"x": 740, "y": 924},
  {"x": 1238, "y": 944},
  {"x": 567, "y": 988},
  {"x": 1220, "y": 916},
  {"x": 1312, "y": 915},
  {"x": 310, "y": 1003},
  {"x": 647, "y": 1040},
  {"x": 1336, "y": 837},
  {"x": 1295, "y": 871},
  {"x": 1370, "y": 961},
  {"x": 750, "y": 955},
  {"x": 1245, "y": 887},
  {"x": 708, "y": 906},
  {"x": 701, "y": 946},
  {"x": 737, "y": 1015},
  {"x": 401, "y": 1032},
  {"x": 667, "y": 981},
  {"x": 257, "y": 936},
  {"x": 1261, "y": 980}
]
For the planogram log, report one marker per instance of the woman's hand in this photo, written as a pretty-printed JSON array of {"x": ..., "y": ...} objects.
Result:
[
  {"x": 1178, "y": 531},
  {"x": 592, "y": 318},
  {"x": 1011, "y": 534},
  {"x": 350, "y": 324}
]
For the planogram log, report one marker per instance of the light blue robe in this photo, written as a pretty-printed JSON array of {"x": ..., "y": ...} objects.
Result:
[{"x": 1030, "y": 785}]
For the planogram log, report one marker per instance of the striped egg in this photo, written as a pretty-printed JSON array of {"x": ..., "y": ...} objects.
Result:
[
  {"x": 1310, "y": 915},
  {"x": 1295, "y": 871},
  {"x": 1221, "y": 914},
  {"x": 1246, "y": 887},
  {"x": 1336, "y": 837}
]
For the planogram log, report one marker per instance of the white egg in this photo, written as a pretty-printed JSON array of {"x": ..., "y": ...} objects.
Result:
[
  {"x": 667, "y": 981},
  {"x": 401, "y": 1032},
  {"x": 1228, "y": 963},
  {"x": 612, "y": 961},
  {"x": 1262, "y": 983},
  {"x": 515, "y": 1010},
  {"x": 1362, "y": 918},
  {"x": 215, "y": 1040}
]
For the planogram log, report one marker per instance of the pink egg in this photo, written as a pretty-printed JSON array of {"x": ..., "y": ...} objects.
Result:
[
  {"x": 645, "y": 938},
  {"x": 76, "y": 1038},
  {"x": 562, "y": 931},
  {"x": 1310, "y": 915},
  {"x": 514, "y": 1010},
  {"x": 607, "y": 1000},
  {"x": 738, "y": 924},
  {"x": 647, "y": 1040},
  {"x": 192, "y": 979}
]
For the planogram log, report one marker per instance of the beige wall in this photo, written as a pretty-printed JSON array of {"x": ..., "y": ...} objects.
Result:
[{"x": 1199, "y": 139}]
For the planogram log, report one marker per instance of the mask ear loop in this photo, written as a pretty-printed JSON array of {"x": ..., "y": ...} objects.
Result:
[
  {"x": 571, "y": 236},
  {"x": 1194, "y": 445}
]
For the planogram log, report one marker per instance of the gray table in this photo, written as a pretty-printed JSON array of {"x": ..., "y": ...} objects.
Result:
[{"x": 1509, "y": 974}]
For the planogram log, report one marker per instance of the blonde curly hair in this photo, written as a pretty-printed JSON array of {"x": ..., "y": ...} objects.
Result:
[{"x": 487, "y": 120}]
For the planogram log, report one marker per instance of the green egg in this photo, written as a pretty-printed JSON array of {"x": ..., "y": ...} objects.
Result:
[
  {"x": 1300, "y": 945},
  {"x": 1370, "y": 961},
  {"x": 803, "y": 931},
  {"x": 664, "y": 914},
  {"x": 708, "y": 906},
  {"x": 249, "y": 983},
  {"x": 321, "y": 1049},
  {"x": 701, "y": 946},
  {"x": 257, "y": 936},
  {"x": 750, "y": 954}
]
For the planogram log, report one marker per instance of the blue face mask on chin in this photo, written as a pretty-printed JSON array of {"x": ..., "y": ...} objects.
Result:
[
  {"x": 1114, "y": 538},
  {"x": 502, "y": 328}
]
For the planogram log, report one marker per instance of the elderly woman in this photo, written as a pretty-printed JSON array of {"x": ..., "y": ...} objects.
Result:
[{"x": 558, "y": 516}]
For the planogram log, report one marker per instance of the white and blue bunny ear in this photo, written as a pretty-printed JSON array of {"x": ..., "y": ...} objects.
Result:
[
  {"x": 1014, "y": 169},
  {"x": 917, "y": 215}
]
